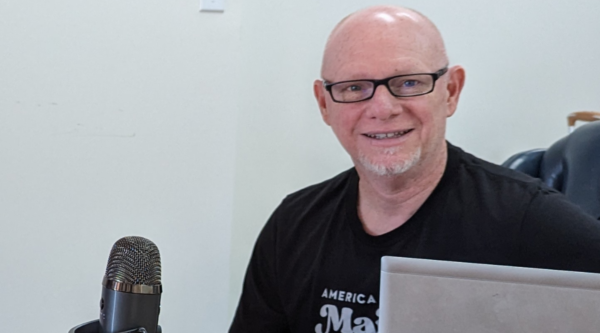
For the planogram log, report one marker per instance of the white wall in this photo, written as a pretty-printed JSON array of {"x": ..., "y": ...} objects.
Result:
[
  {"x": 115, "y": 120},
  {"x": 152, "y": 119}
]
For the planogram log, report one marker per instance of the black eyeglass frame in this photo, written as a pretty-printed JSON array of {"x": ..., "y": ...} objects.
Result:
[{"x": 376, "y": 83}]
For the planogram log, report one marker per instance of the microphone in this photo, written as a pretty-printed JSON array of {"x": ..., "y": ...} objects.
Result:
[{"x": 131, "y": 290}]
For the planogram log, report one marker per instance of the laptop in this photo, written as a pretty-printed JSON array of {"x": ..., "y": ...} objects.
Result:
[{"x": 428, "y": 296}]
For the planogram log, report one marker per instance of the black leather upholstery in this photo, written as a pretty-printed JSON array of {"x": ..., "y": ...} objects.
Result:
[
  {"x": 571, "y": 165},
  {"x": 527, "y": 162}
]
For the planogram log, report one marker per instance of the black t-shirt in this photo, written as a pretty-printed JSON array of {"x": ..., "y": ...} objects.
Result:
[{"x": 314, "y": 269}]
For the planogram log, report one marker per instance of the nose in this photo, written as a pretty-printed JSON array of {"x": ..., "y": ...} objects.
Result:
[{"x": 383, "y": 105}]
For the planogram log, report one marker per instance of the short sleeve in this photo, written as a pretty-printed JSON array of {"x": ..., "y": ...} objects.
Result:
[
  {"x": 556, "y": 234},
  {"x": 260, "y": 308}
]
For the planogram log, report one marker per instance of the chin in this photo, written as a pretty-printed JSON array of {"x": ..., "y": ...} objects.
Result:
[{"x": 388, "y": 165}]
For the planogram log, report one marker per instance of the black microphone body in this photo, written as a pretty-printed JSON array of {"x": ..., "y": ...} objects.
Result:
[
  {"x": 120, "y": 311},
  {"x": 94, "y": 327}
]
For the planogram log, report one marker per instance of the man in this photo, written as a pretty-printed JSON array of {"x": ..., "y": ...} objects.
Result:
[{"x": 386, "y": 92}]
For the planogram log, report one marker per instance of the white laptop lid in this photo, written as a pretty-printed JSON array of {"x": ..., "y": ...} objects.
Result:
[{"x": 418, "y": 295}]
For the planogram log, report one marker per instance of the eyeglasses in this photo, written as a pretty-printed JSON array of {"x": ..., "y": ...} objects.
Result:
[{"x": 400, "y": 86}]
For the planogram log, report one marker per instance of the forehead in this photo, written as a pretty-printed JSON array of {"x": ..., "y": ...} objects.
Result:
[
  {"x": 379, "y": 48},
  {"x": 370, "y": 63}
]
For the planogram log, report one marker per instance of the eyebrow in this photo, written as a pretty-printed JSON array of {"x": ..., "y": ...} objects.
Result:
[{"x": 396, "y": 72}]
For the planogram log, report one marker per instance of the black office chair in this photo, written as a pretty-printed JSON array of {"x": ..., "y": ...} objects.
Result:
[{"x": 571, "y": 165}]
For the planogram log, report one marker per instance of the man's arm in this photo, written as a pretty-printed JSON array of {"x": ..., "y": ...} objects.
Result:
[
  {"x": 260, "y": 308},
  {"x": 556, "y": 234}
]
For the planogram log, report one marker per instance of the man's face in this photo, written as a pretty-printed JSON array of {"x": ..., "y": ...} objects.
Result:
[{"x": 386, "y": 135}]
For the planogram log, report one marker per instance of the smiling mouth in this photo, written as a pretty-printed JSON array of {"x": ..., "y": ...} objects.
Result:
[{"x": 390, "y": 135}]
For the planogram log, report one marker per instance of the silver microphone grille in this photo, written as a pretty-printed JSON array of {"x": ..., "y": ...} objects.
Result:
[{"x": 134, "y": 260}]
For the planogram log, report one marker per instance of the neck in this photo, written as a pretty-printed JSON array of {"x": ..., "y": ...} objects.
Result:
[{"x": 387, "y": 202}]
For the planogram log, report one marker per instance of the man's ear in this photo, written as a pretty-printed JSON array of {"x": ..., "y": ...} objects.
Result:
[
  {"x": 456, "y": 81},
  {"x": 321, "y": 95}
]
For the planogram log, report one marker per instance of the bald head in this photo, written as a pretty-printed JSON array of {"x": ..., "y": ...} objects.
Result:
[{"x": 395, "y": 31}]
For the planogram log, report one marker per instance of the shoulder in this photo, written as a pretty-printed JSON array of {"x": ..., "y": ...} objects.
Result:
[
  {"x": 495, "y": 195},
  {"x": 318, "y": 196},
  {"x": 493, "y": 177},
  {"x": 311, "y": 209}
]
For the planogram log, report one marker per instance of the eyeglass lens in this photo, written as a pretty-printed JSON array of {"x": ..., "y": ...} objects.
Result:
[{"x": 402, "y": 86}]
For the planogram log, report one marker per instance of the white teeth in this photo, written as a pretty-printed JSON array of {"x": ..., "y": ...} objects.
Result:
[{"x": 387, "y": 135}]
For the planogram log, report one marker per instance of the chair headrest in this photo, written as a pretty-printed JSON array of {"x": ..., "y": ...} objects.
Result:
[{"x": 572, "y": 166}]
